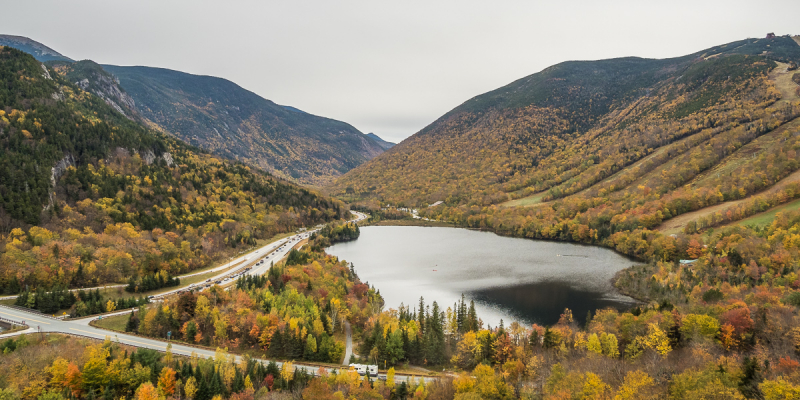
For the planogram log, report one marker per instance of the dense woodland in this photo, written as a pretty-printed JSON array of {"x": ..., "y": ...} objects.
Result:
[
  {"x": 62, "y": 367},
  {"x": 78, "y": 304},
  {"x": 295, "y": 312},
  {"x": 127, "y": 201}
]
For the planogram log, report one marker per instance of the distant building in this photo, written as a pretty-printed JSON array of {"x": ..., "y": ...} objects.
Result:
[
  {"x": 770, "y": 35},
  {"x": 436, "y": 204}
]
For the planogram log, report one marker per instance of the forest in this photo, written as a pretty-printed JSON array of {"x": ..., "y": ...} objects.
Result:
[
  {"x": 79, "y": 304},
  {"x": 295, "y": 312},
  {"x": 89, "y": 197}
]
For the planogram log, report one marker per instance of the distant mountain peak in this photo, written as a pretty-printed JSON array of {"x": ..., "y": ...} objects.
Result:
[
  {"x": 32, "y": 47},
  {"x": 294, "y": 109},
  {"x": 384, "y": 144}
]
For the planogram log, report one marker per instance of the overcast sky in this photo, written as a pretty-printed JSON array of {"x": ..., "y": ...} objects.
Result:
[{"x": 389, "y": 67}]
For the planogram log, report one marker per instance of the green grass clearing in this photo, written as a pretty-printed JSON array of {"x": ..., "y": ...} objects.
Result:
[
  {"x": 525, "y": 201},
  {"x": 115, "y": 323},
  {"x": 767, "y": 217}
]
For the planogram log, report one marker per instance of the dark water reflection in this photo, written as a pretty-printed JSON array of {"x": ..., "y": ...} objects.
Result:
[
  {"x": 544, "y": 302},
  {"x": 509, "y": 278}
]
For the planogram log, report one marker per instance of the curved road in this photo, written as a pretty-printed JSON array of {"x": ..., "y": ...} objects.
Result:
[{"x": 42, "y": 323}]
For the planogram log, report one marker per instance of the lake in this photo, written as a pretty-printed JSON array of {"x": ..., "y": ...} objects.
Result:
[{"x": 529, "y": 281}]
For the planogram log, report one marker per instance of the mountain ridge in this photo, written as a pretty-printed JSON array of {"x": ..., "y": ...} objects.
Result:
[
  {"x": 283, "y": 140},
  {"x": 30, "y": 46},
  {"x": 219, "y": 115}
]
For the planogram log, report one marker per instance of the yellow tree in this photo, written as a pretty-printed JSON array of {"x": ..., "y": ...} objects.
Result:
[
  {"x": 634, "y": 384},
  {"x": 146, "y": 391},
  {"x": 94, "y": 370},
  {"x": 58, "y": 372},
  {"x": 610, "y": 344},
  {"x": 190, "y": 389},
  {"x": 287, "y": 371},
  {"x": 390, "y": 378},
  {"x": 657, "y": 340},
  {"x": 594, "y": 345},
  {"x": 779, "y": 389},
  {"x": 594, "y": 387}
]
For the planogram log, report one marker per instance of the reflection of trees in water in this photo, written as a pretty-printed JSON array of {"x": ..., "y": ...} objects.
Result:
[{"x": 543, "y": 302}]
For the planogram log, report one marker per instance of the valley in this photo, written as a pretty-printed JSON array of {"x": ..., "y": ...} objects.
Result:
[{"x": 625, "y": 228}]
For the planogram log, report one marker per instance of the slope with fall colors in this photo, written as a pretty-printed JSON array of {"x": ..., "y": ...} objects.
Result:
[{"x": 89, "y": 196}]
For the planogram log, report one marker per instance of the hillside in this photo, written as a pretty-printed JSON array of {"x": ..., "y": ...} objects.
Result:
[
  {"x": 232, "y": 122},
  {"x": 91, "y": 77},
  {"x": 565, "y": 129},
  {"x": 88, "y": 196}
]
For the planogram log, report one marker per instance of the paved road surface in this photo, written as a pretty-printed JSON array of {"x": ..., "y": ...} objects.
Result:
[
  {"x": 348, "y": 344},
  {"x": 43, "y": 323}
]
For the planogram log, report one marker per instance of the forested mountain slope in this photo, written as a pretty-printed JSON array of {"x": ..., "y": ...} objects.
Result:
[
  {"x": 89, "y": 196},
  {"x": 609, "y": 153},
  {"x": 220, "y": 116},
  {"x": 91, "y": 77},
  {"x": 576, "y": 123}
]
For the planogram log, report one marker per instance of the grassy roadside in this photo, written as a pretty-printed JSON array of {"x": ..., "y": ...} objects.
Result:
[
  {"x": 12, "y": 330},
  {"x": 114, "y": 323}
]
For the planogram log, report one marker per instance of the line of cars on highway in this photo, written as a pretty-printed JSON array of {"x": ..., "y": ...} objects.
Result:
[
  {"x": 230, "y": 277},
  {"x": 259, "y": 265}
]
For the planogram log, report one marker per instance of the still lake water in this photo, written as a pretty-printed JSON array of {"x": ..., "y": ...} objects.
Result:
[{"x": 525, "y": 280}]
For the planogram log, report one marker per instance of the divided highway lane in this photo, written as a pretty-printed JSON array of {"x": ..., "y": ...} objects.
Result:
[
  {"x": 81, "y": 327},
  {"x": 257, "y": 261}
]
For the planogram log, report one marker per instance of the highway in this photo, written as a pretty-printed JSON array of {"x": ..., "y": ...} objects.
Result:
[
  {"x": 257, "y": 262},
  {"x": 80, "y": 327},
  {"x": 270, "y": 252}
]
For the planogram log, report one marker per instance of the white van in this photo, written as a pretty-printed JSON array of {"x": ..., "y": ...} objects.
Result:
[{"x": 372, "y": 370}]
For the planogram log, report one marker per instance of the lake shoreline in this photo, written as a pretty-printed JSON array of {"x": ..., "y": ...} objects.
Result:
[{"x": 405, "y": 262}]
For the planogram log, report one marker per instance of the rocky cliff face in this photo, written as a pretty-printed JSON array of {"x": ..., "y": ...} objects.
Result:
[{"x": 92, "y": 78}]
